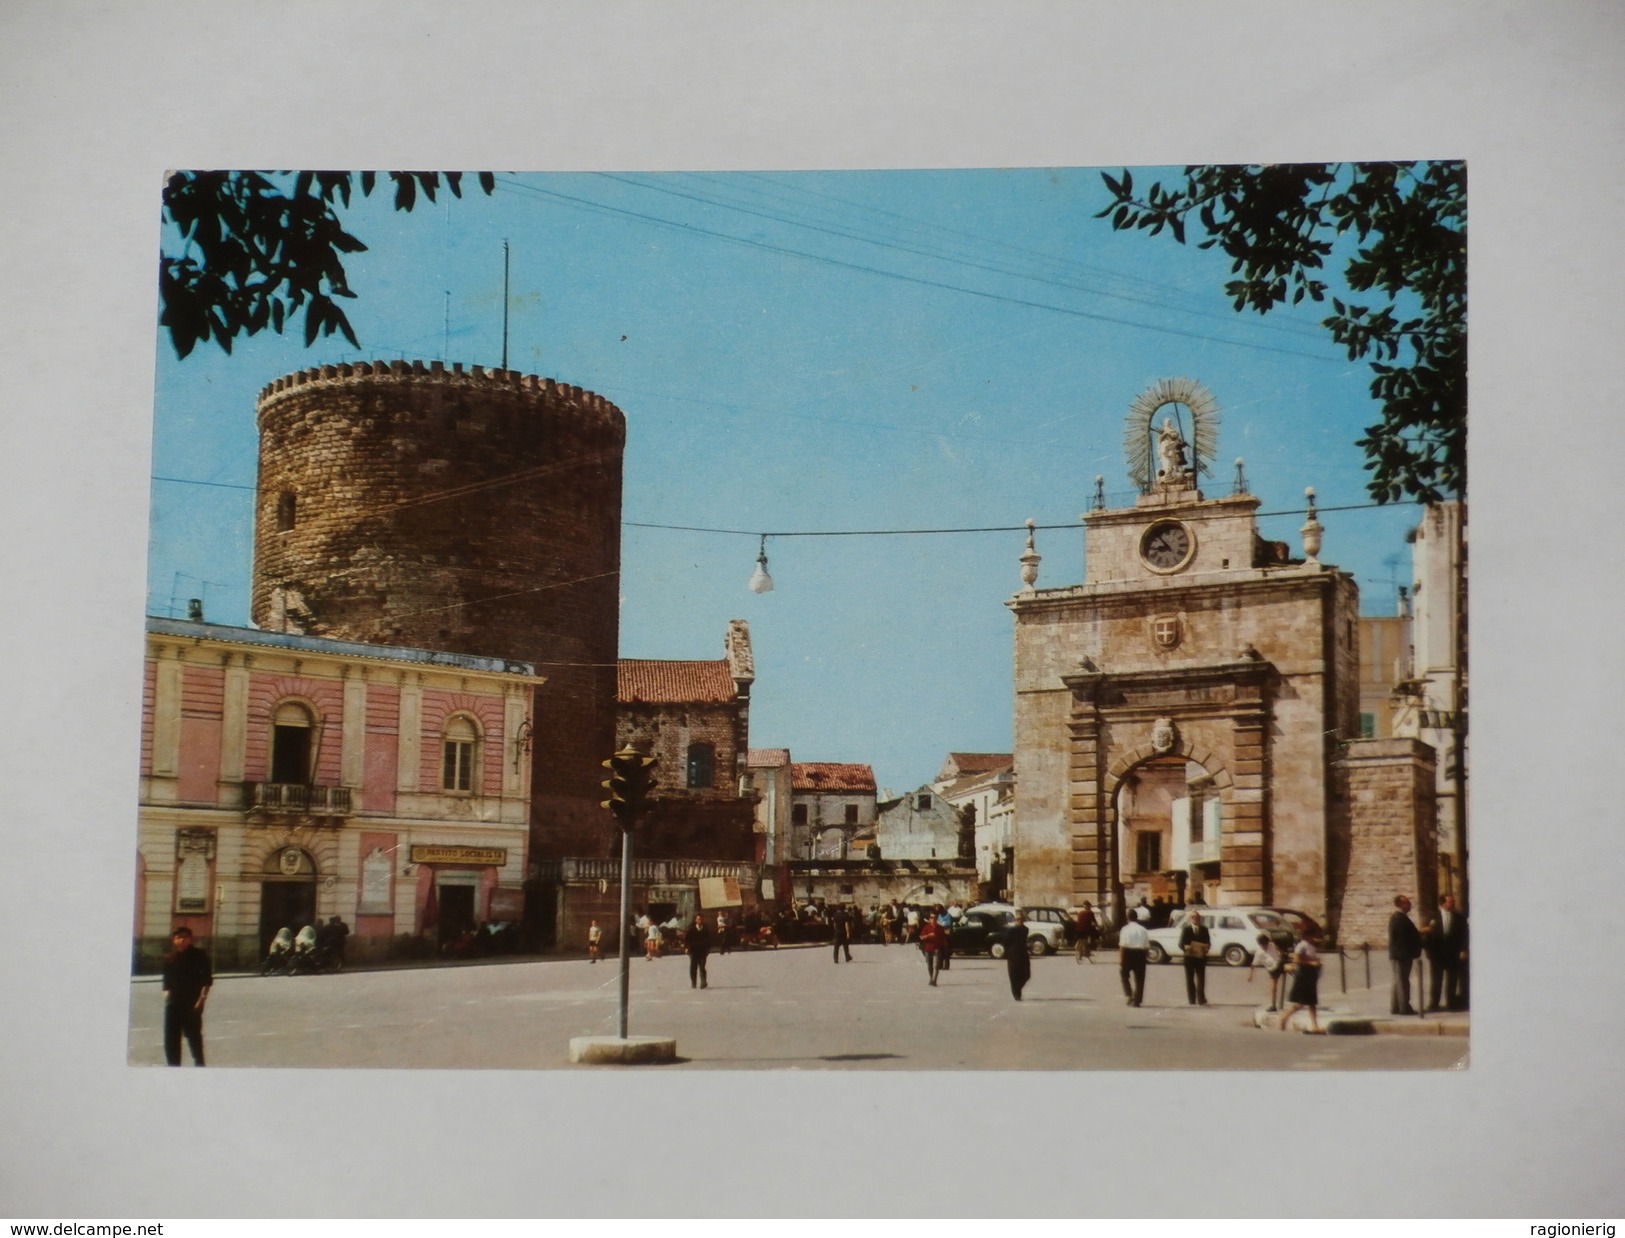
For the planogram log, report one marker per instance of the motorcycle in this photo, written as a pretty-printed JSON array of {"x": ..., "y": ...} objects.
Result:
[
  {"x": 316, "y": 960},
  {"x": 279, "y": 960}
]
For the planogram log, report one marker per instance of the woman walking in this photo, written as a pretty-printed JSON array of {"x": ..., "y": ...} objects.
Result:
[{"x": 1305, "y": 981}]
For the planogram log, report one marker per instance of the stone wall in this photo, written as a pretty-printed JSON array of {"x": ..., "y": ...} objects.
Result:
[
  {"x": 1388, "y": 789},
  {"x": 471, "y": 511},
  {"x": 666, "y": 732}
]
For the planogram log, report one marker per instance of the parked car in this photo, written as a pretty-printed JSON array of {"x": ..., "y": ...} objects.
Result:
[
  {"x": 1049, "y": 925},
  {"x": 1234, "y": 931},
  {"x": 1298, "y": 921},
  {"x": 980, "y": 929}
]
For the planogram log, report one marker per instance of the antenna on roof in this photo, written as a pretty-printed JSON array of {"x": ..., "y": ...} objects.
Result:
[{"x": 504, "y": 302}]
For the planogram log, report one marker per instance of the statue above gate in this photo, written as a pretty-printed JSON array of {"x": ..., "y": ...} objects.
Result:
[{"x": 1157, "y": 454}]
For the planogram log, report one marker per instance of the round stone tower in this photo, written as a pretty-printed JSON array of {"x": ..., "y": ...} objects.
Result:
[{"x": 472, "y": 511}]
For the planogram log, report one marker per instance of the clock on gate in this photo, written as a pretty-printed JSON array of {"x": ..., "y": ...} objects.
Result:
[{"x": 1167, "y": 546}]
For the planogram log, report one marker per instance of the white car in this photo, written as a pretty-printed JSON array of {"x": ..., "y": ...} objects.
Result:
[{"x": 1234, "y": 931}]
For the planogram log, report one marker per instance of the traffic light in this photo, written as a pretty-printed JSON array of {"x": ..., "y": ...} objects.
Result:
[{"x": 631, "y": 776}]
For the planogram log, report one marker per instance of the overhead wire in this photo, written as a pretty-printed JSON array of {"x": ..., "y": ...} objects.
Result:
[
  {"x": 941, "y": 285},
  {"x": 1302, "y": 330}
]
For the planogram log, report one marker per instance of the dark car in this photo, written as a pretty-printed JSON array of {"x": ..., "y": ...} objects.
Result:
[
  {"x": 979, "y": 932},
  {"x": 1299, "y": 922}
]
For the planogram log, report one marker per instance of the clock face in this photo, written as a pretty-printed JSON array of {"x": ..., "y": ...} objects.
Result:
[{"x": 1167, "y": 545}]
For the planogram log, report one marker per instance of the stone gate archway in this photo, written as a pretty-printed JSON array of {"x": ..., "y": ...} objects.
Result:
[{"x": 1213, "y": 716}]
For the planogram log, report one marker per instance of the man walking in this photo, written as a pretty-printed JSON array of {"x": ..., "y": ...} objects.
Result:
[
  {"x": 1087, "y": 930},
  {"x": 1133, "y": 942},
  {"x": 698, "y": 944},
  {"x": 841, "y": 932},
  {"x": 1016, "y": 959},
  {"x": 187, "y": 981},
  {"x": 1404, "y": 947},
  {"x": 1194, "y": 943}
]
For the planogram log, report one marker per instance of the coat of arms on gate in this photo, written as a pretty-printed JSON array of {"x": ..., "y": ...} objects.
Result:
[
  {"x": 1166, "y": 631},
  {"x": 1163, "y": 735}
]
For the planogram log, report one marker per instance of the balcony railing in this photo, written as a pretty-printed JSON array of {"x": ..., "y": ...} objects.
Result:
[
  {"x": 656, "y": 872},
  {"x": 297, "y": 798}
]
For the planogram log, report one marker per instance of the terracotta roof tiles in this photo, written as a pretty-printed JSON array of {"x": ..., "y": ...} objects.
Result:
[
  {"x": 646, "y": 681},
  {"x": 959, "y": 764},
  {"x": 832, "y": 776}
]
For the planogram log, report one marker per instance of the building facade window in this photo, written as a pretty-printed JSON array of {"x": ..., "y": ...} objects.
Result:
[
  {"x": 798, "y": 814},
  {"x": 286, "y": 510},
  {"x": 702, "y": 760},
  {"x": 922, "y": 803},
  {"x": 292, "y": 745},
  {"x": 1148, "y": 851},
  {"x": 1368, "y": 726},
  {"x": 457, "y": 754},
  {"x": 851, "y": 814}
]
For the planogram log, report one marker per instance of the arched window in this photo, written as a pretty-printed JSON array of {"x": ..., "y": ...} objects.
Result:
[
  {"x": 292, "y": 743},
  {"x": 458, "y": 749},
  {"x": 702, "y": 760}
]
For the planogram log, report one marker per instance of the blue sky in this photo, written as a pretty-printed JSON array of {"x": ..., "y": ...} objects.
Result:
[{"x": 819, "y": 352}]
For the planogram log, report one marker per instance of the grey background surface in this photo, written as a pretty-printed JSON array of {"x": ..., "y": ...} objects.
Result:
[{"x": 97, "y": 101}]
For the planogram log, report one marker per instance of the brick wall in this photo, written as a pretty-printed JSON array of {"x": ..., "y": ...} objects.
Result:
[
  {"x": 667, "y": 731},
  {"x": 1388, "y": 788}
]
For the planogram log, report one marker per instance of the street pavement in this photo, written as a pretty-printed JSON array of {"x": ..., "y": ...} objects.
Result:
[{"x": 788, "y": 1009}]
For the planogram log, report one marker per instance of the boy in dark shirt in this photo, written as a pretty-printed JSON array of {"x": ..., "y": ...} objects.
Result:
[{"x": 187, "y": 980}]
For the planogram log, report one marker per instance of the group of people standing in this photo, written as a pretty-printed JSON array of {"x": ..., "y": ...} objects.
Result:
[
  {"x": 1443, "y": 939},
  {"x": 1195, "y": 944}
]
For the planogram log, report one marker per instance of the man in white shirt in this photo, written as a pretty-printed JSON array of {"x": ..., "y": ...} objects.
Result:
[{"x": 1133, "y": 942}]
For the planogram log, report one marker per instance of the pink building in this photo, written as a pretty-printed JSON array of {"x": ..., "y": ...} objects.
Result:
[{"x": 286, "y": 779}]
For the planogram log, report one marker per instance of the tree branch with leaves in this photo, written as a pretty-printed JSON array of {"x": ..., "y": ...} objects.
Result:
[
  {"x": 257, "y": 248},
  {"x": 1402, "y": 306}
]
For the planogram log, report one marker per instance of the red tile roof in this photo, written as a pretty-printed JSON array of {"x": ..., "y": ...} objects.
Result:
[
  {"x": 959, "y": 764},
  {"x": 831, "y": 776},
  {"x": 645, "y": 681},
  {"x": 767, "y": 758}
]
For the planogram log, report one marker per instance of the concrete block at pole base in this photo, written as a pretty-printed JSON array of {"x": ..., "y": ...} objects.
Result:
[{"x": 616, "y": 1051}]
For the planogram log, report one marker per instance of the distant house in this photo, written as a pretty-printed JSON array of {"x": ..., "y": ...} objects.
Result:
[
  {"x": 768, "y": 771},
  {"x": 981, "y": 787},
  {"x": 1385, "y": 664},
  {"x": 921, "y": 825},
  {"x": 830, "y": 804},
  {"x": 694, "y": 717}
]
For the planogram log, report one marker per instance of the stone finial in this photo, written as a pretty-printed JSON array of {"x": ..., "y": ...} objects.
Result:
[
  {"x": 1029, "y": 560},
  {"x": 1311, "y": 530}
]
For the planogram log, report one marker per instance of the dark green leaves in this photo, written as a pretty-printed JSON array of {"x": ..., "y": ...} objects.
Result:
[
  {"x": 256, "y": 248},
  {"x": 1278, "y": 223}
]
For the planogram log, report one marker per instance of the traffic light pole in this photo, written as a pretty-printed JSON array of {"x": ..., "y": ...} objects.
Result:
[{"x": 626, "y": 922}]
